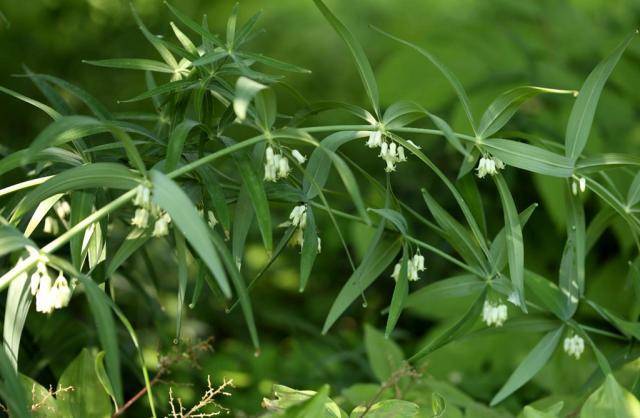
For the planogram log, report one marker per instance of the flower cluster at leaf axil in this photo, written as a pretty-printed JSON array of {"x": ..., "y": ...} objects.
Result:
[
  {"x": 298, "y": 219},
  {"x": 146, "y": 210},
  {"x": 494, "y": 314},
  {"x": 489, "y": 165},
  {"x": 578, "y": 185},
  {"x": 51, "y": 223},
  {"x": 276, "y": 164},
  {"x": 390, "y": 152},
  {"x": 50, "y": 294},
  {"x": 415, "y": 265},
  {"x": 574, "y": 346}
]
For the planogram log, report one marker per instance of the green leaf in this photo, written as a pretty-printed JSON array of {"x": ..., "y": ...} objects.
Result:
[
  {"x": 92, "y": 103},
  {"x": 400, "y": 293},
  {"x": 394, "y": 217},
  {"x": 170, "y": 197},
  {"x": 11, "y": 389},
  {"x": 155, "y": 41},
  {"x": 309, "y": 250},
  {"x": 15, "y": 314},
  {"x": 601, "y": 162},
  {"x": 498, "y": 251},
  {"x": 362, "y": 63},
  {"x": 546, "y": 293},
  {"x": 449, "y": 288},
  {"x": 45, "y": 108},
  {"x": 612, "y": 401},
  {"x": 240, "y": 286},
  {"x": 513, "y": 239},
  {"x": 377, "y": 259},
  {"x": 628, "y": 328},
  {"x": 191, "y": 24},
  {"x": 81, "y": 207},
  {"x": 12, "y": 240},
  {"x": 531, "y": 365},
  {"x": 46, "y": 406},
  {"x": 109, "y": 175},
  {"x": 272, "y": 62},
  {"x": 88, "y": 398},
  {"x": 133, "y": 64},
  {"x": 529, "y": 157},
  {"x": 455, "y": 234},
  {"x": 216, "y": 196},
  {"x": 174, "y": 86},
  {"x": 133, "y": 241},
  {"x": 633, "y": 196},
  {"x": 401, "y": 114},
  {"x": 584, "y": 109},
  {"x": 576, "y": 232},
  {"x": 53, "y": 155},
  {"x": 176, "y": 142},
  {"x": 502, "y": 109},
  {"x": 451, "y": 78},
  {"x": 385, "y": 356},
  {"x": 181, "y": 256},
  {"x": 391, "y": 408},
  {"x": 106, "y": 328},
  {"x": 458, "y": 329},
  {"x": 254, "y": 186},
  {"x": 103, "y": 378},
  {"x": 449, "y": 135}
]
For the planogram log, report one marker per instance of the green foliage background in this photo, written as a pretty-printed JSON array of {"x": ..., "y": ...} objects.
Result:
[{"x": 490, "y": 45}]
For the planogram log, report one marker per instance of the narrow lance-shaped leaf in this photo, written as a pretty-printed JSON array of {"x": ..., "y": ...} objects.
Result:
[
  {"x": 181, "y": 256},
  {"x": 502, "y": 109},
  {"x": 309, "y": 249},
  {"x": 15, "y": 314},
  {"x": 513, "y": 239},
  {"x": 400, "y": 293},
  {"x": 132, "y": 64},
  {"x": 11, "y": 390},
  {"x": 531, "y": 365},
  {"x": 458, "y": 329},
  {"x": 239, "y": 285},
  {"x": 176, "y": 143},
  {"x": 584, "y": 109},
  {"x": 453, "y": 80},
  {"x": 362, "y": 63},
  {"x": 377, "y": 259},
  {"x": 170, "y": 197}
]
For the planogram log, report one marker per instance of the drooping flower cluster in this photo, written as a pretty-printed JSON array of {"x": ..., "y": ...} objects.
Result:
[
  {"x": 51, "y": 224},
  {"x": 489, "y": 165},
  {"x": 298, "y": 218},
  {"x": 50, "y": 295},
  {"x": 147, "y": 209},
  {"x": 390, "y": 152},
  {"x": 574, "y": 346},
  {"x": 276, "y": 164},
  {"x": 414, "y": 266},
  {"x": 579, "y": 185},
  {"x": 494, "y": 314}
]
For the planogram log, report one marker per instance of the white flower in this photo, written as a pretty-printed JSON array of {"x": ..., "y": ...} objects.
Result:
[
  {"x": 574, "y": 346},
  {"x": 41, "y": 270},
  {"x": 43, "y": 294},
  {"x": 298, "y": 156},
  {"x": 579, "y": 185},
  {"x": 494, "y": 314},
  {"x": 414, "y": 266},
  {"x": 212, "y": 219},
  {"x": 161, "y": 226},
  {"x": 489, "y": 165},
  {"x": 62, "y": 208},
  {"x": 375, "y": 139},
  {"x": 143, "y": 196},
  {"x": 51, "y": 226},
  {"x": 60, "y": 293},
  {"x": 298, "y": 216},
  {"x": 276, "y": 166},
  {"x": 141, "y": 218}
]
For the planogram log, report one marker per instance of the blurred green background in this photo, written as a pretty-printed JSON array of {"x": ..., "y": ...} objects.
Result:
[{"x": 491, "y": 45}]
